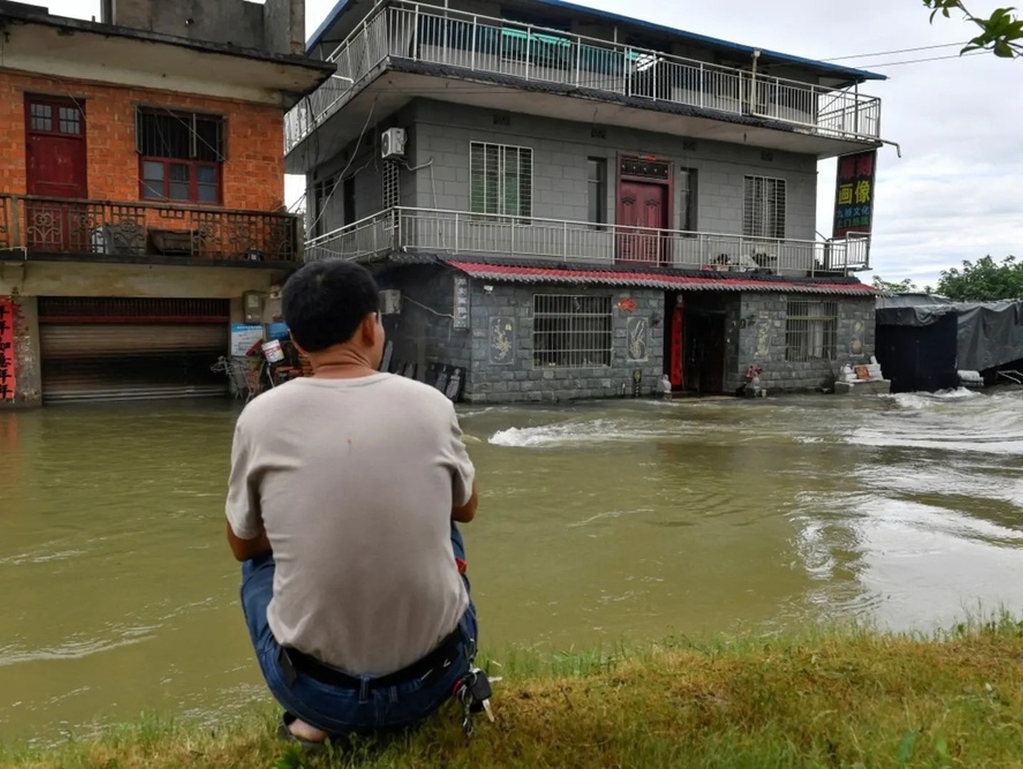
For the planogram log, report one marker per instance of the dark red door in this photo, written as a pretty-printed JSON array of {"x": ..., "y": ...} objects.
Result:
[
  {"x": 642, "y": 205},
  {"x": 55, "y": 162}
]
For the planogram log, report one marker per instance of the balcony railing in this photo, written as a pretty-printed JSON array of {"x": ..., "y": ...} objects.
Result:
[
  {"x": 456, "y": 232},
  {"x": 90, "y": 227},
  {"x": 474, "y": 43}
]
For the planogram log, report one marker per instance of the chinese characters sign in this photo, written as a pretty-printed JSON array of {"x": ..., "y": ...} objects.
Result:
[
  {"x": 461, "y": 302},
  {"x": 6, "y": 350},
  {"x": 854, "y": 198}
]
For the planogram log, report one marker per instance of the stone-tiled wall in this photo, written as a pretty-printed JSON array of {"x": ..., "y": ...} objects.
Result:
[
  {"x": 502, "y": 346},
  {"x": 497, "y": 349},
  {"x": 763, "y": 341},
  {"x": 424, "y": 333}
]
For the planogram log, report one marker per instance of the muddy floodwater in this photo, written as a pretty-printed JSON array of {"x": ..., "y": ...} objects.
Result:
[{"x": 617, "y": 521}]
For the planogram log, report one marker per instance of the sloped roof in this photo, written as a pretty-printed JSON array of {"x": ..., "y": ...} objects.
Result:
[{"x": 660, "y": 279}]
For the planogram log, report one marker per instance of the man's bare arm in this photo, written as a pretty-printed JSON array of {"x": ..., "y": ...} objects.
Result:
[
  {"x": 246, "y": 549},
  {"x": 467, "y": 512}
]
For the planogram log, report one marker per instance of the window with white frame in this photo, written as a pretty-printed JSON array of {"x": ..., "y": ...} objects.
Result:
[
  {"x": 500, "y": 179},
  {"x": 811, "y": 331},
  {"x": 572, "y": 331},
  {"x": 763, "y": 210}
]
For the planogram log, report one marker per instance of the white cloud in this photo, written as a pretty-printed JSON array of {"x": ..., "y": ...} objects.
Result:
[{"x": 954, "y": 194}]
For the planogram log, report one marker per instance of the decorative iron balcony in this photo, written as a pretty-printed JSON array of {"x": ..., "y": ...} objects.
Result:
[
  {"x": 474, "y": 43},
  {"x": 38, "y": 225},
  {"x": 458, "y": 232}
]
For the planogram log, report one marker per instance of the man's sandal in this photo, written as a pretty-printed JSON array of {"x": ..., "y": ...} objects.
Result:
[{"x": 284, "y": 733}]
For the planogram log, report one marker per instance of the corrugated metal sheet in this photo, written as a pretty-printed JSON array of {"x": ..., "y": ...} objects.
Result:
[
  {"x": 180, "y": 373},
  {"x": 95, "y": 349},
  {"x": 666, "y": 281},
  {"x": 111, "y": 341}
]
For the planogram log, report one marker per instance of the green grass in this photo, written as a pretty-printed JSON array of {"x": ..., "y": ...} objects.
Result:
[{"x": 831, "y": 698}]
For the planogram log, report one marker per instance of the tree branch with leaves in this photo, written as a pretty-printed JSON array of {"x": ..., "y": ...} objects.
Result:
[{"x": 1001, "y": 32}]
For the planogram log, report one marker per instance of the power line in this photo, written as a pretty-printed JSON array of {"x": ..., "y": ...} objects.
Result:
[
  {"x": 920, "y": 61},
  {"x": 892, "y": 53}
]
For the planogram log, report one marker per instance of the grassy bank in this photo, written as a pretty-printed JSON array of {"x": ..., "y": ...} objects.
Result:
[{"x": 835, "y": 699}]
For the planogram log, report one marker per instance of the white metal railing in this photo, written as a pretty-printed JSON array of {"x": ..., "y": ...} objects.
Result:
[
  {"x": 428, "y": 34},
  {"x": 459, "y": 232}
]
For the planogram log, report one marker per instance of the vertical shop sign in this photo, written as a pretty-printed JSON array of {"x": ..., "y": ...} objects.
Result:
[
  {"x": 7, "y": 386},
  {"x": 854, "y": 194}
]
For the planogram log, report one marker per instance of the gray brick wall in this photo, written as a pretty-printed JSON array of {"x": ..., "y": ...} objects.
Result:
[
  {"x": 764, "y": 342},
  {"x": 362, "y": 160},
  {"x": 514, "y": 378},
  {"x": 424, "y": 333},
  {"x": 560, "y": 151},
  {"x": 497, "y": 350}
]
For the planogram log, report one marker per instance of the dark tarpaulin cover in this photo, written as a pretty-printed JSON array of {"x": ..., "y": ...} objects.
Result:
[{"x": 990, "y": 333}]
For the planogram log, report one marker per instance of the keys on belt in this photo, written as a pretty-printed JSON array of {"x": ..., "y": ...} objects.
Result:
[{"x": 474, "y": 691}]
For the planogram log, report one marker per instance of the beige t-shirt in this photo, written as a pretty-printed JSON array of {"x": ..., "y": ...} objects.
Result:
[{"x": 355, "y": 480}]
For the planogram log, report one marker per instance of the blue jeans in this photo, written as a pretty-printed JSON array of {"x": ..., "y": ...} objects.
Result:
[{"x": 338, "y": 710}]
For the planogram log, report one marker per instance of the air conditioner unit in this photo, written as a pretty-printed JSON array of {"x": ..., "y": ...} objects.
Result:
[
  {"x": 392, "y": 143},
  {"x": 390, "y": 302}
]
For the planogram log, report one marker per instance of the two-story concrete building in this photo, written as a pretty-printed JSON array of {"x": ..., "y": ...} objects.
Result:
[
  {"x": 142, "y": 191},
  {"x": 568, "y": 203}
]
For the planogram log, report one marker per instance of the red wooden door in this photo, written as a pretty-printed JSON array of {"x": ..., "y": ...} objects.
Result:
[
  {"x": 55, "y": 165},
  {"x": 642, "y": 204}
]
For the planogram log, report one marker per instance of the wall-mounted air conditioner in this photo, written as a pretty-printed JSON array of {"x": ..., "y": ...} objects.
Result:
[{"x": 392, "y": 143}]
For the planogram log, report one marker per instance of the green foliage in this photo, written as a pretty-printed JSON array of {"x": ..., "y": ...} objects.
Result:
[
  {"x": 905, "y": 286},
  {"x": 983, "y": 281},
  {"x": 1001, "y": 32}
]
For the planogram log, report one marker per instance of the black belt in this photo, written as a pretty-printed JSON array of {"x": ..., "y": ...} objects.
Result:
[{"x": 444, "y": 654}]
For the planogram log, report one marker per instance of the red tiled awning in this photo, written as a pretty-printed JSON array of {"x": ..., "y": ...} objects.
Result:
[{"x": 667, "y": 281}]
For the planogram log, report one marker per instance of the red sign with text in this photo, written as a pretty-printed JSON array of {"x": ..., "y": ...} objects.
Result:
[
  {"x": 6, "y": 350},
  {"x": 854, "y": 194}
]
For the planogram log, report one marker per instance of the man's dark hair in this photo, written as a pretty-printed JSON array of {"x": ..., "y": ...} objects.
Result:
[{"x": 324, "y": 303}]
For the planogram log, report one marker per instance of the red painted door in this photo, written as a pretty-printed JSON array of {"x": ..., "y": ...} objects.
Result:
[
  {"x": 642, "y": 205},
  {"x": 55, "y": 163}
]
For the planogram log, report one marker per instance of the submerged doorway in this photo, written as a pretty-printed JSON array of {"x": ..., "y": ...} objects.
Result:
[{"x": 696, "y": 341}]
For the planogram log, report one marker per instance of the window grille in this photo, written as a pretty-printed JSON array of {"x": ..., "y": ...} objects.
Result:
[
  {"x": 179, "y": 135},
  {"x": 181, "y": 155},
  {"x": 572, "y": 331},
  {"x": 596, "y": 190},
  {"x": 763, "y": 208},
  {"x": 392, "y": 184},
  {"x": 811, "y": 331},
  {"x": 500, "y": 179},
  {"x": 686, "y": 193}
]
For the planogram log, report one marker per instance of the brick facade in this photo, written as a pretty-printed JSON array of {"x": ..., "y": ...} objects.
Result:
[{"x": 253, "y": 174}]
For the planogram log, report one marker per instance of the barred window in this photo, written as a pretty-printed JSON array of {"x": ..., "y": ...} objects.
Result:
[
  {"x": 500, "y": 179},
  {"x": 181, "y": 155},
  {"x": 811, "y": 331},
  {"x": 571, "y": 331},
  {"x": 763, "y": 210}
]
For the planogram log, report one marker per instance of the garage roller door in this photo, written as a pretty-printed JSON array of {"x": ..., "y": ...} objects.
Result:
[{"x": 129, "y": 349}]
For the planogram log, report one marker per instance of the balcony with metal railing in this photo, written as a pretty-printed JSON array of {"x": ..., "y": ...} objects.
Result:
[
  {"x": 134, "y": 231},
  {"x": 431, "y": 231},
  {"x": 468, "y": 45}
]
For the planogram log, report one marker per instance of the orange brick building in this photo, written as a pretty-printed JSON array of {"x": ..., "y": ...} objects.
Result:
[{"x": 141, "y": 192}]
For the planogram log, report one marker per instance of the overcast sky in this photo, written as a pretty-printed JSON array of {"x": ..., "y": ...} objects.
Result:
[{"x": 957, "y": 192}]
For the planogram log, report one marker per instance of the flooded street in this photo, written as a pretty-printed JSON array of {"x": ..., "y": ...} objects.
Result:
[{"x": 599, "y": 523}]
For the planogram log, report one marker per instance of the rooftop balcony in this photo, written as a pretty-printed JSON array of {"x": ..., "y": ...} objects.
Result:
[
  {"x": 430, "y": 231},
  {"x": 134, "y": 231},
  {"x": 422, "y": 42}
]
